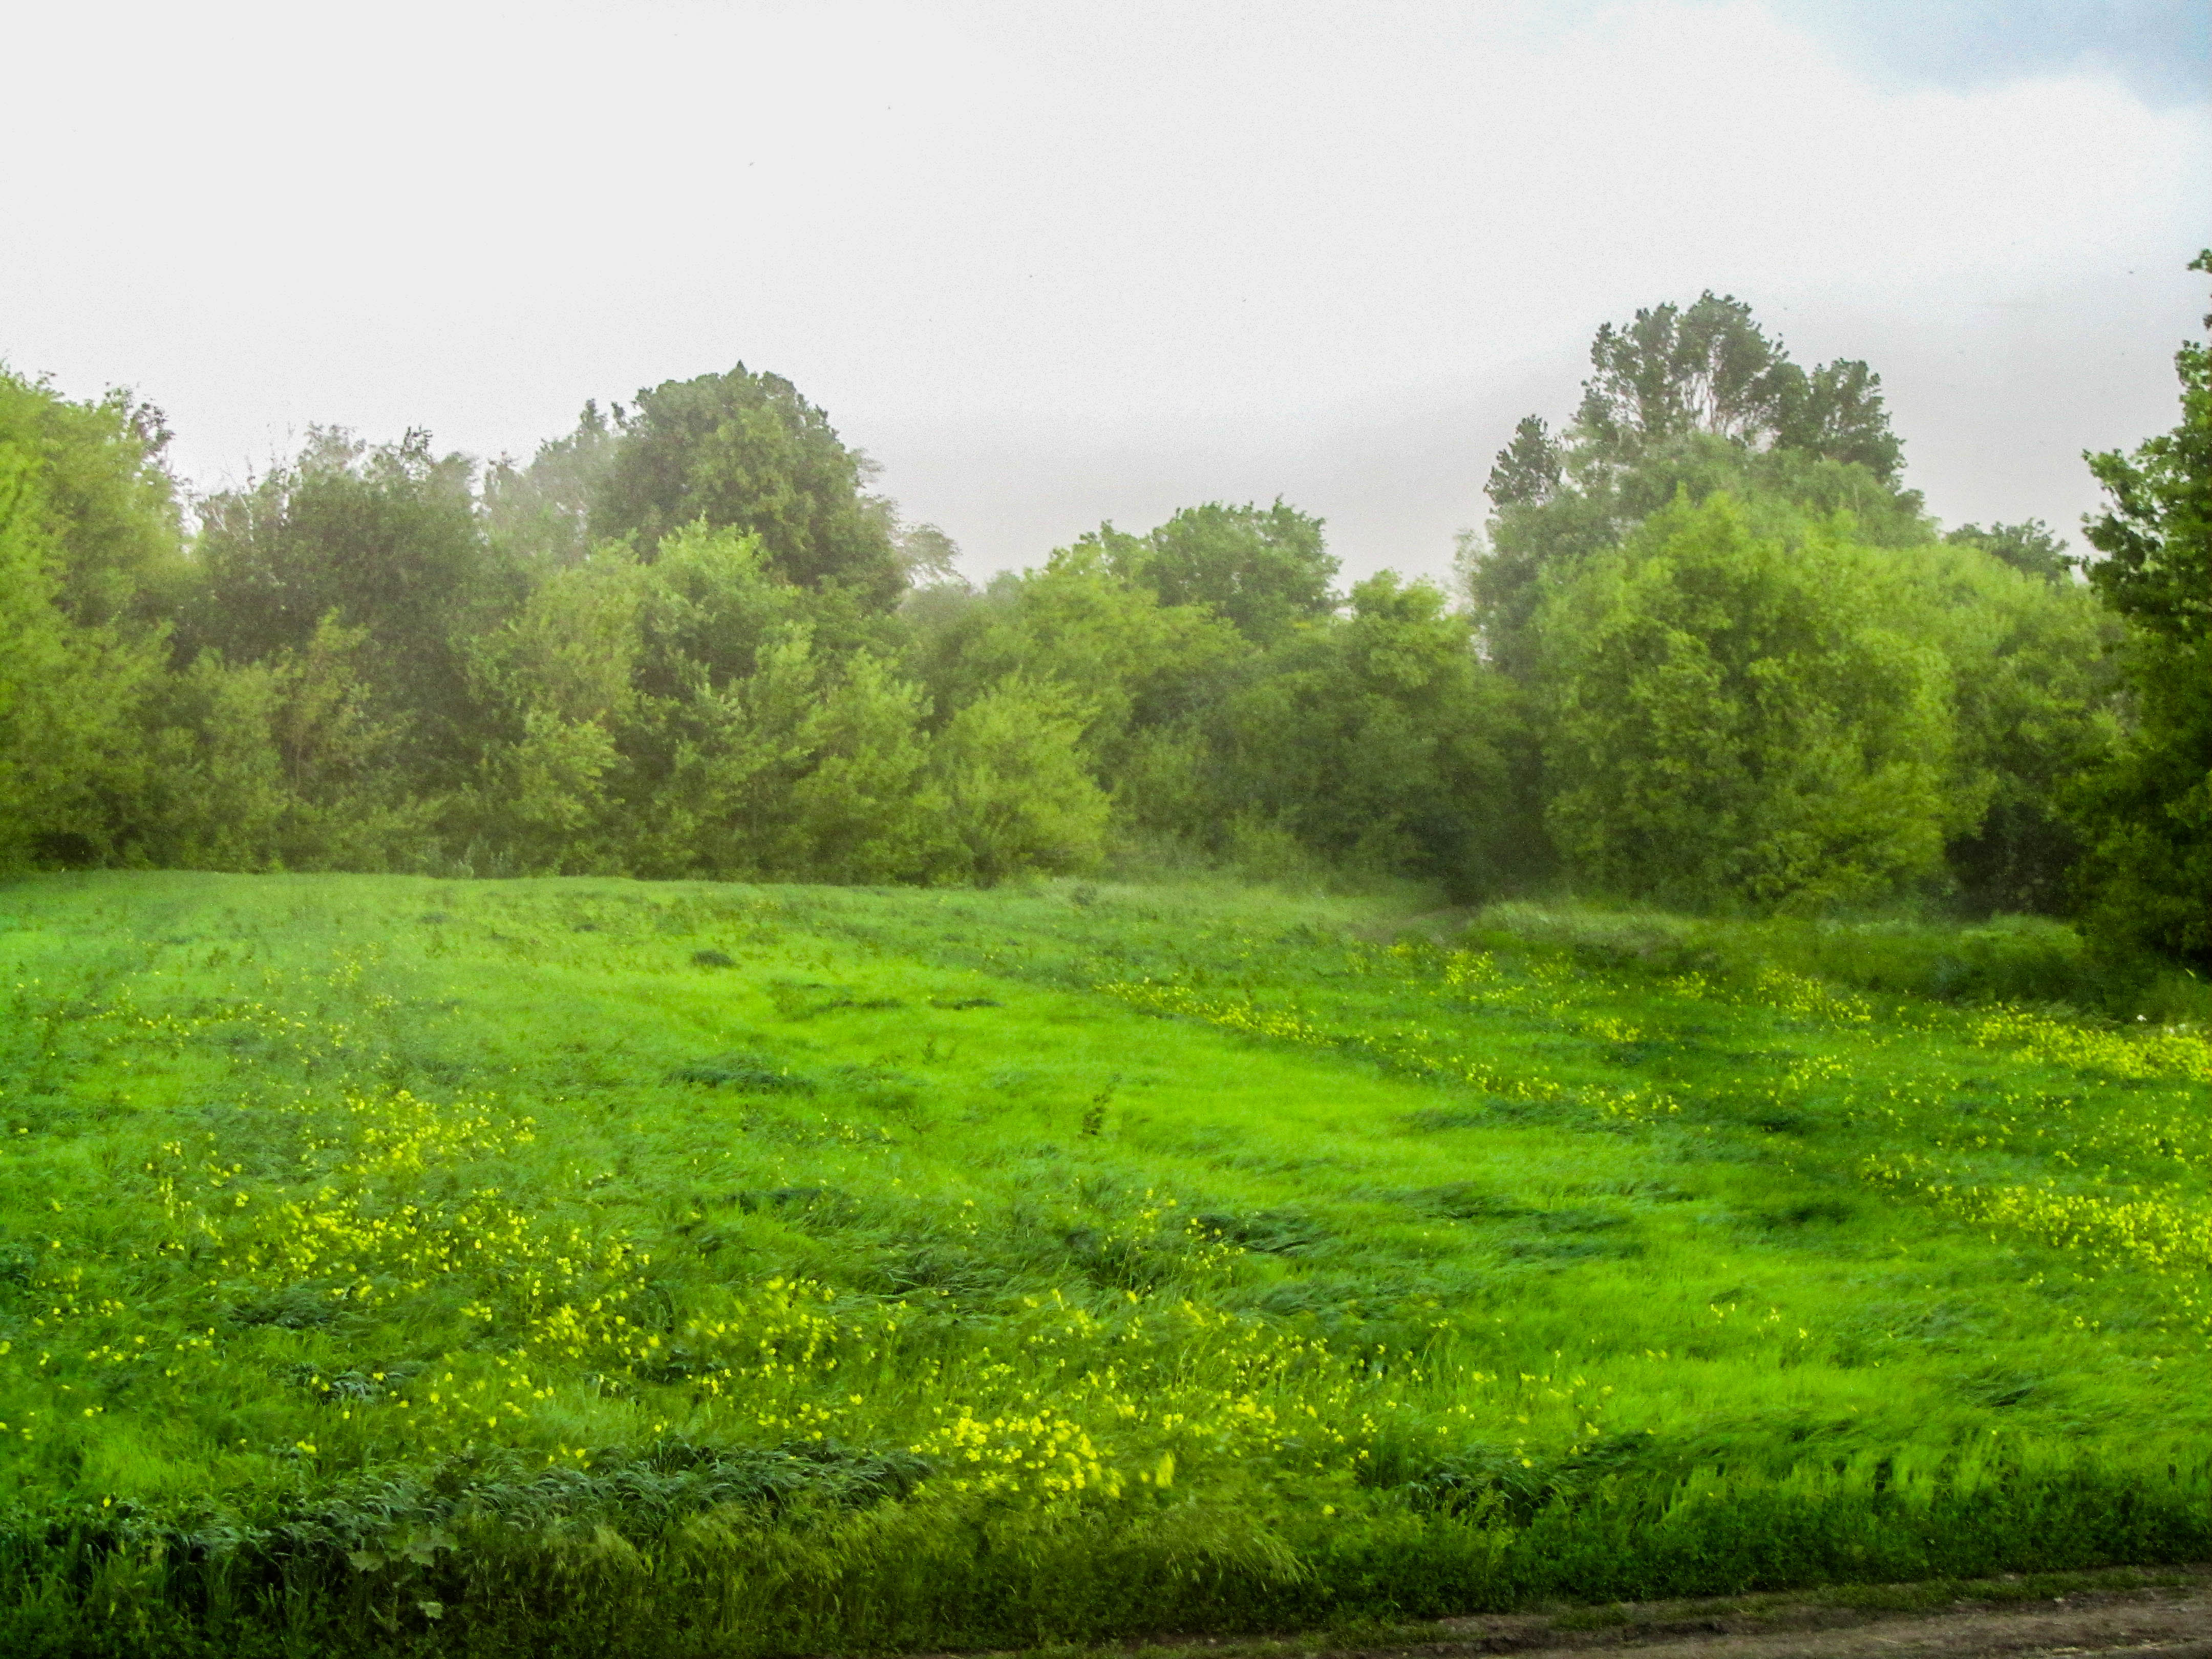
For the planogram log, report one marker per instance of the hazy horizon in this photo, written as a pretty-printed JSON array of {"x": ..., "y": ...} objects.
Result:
[{"x": 1053, "y": 269}]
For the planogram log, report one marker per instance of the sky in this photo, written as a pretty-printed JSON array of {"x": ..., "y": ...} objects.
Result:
[{"x": 1052, "y": 264}]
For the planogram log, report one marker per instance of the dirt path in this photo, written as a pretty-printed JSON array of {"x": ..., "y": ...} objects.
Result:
[
  {"x": 2157, "y": 1613},
  {"x": 2169, "y": 1622}
]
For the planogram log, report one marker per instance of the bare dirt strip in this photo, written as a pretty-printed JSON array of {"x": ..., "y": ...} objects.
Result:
[
  {"x": 2170, "y": 1624},
  {"x": 2164, "y": 1614}
]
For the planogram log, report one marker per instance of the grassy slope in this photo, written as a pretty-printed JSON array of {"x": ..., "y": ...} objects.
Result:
[{"x": 1285, "y": 1278}]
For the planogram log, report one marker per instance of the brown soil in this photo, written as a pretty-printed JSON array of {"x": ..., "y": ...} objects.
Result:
[
  {"x": 2167, "y": 1623},
  {"x": 2157, "y": 1614}
]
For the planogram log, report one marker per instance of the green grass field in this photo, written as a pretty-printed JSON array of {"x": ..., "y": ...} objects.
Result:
[{"x": 599, "y": 1266}]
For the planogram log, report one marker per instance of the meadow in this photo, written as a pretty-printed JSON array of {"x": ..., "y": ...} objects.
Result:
[{"x": 397, "y": 1264}]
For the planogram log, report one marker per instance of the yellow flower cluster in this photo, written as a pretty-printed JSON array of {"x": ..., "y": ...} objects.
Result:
[
  {"x": 1797, "y": 996},
  {"x": 777, "y": 1331},
  {"x": 2169, "y": 1052},
  {"x": 472, "y": 1399},
  {"x": 2046, "y": 1126},
  {"x": 2137, "y": 1229},
  {"x": 1802, "y": 997},
  {"x": 358, "y": 1234},
  {"x": 1045, "y": 1456},
  {"x": 1464, "y": 967},
  {"x": 120, "y": 1022}
]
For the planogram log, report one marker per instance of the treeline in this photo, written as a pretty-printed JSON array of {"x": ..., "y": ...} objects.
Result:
[{"x": 1709, "y": 650}]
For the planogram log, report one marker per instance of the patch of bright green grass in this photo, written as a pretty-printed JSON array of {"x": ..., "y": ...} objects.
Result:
[{"x": 599, "y": 1266}]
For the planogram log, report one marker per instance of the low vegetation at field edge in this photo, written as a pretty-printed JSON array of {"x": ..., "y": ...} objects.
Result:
[{"x": 586, "y": 1266}]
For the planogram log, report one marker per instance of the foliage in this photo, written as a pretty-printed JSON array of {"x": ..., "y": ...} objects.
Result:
[
  {"x": 384, "y": 540},
  {"x": 686, "y": 716},
  {"x": 1526, "y": 545},
  {"x": 51, "y": 723},
  {"x": 2029, "y": 547},
  {"x": 685, "y": 640},
  {"x": 561, "y": 675},
  {"x": 1016, "y": 793},
  {"x": 2032, "y": 697},
  {"x": 1379, "y": 742},
  {"x": 854, "y": 801},
  {"x": 539, "y": 515},
  {"x": 273, "y": 765},
  {"x": 1129, "y": 662},
  {"x": 1710, "y": 368},
  {"x": 1693, "y": 400},
  {"x": 104, "y": 500},
  {"x": 2148, "y": 816},
  {"x": 83, "y": 517},
  {"x": 1731, "y": 715},
  {"x": 1370, "y": 739},
  {"x": 744, "y": 451},
  {"x": 394, "y": 1265},
  {"x": 1263, "y": 569}
]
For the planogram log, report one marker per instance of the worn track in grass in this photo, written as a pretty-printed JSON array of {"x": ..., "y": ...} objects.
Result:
[{"x": 2084, "y": 1616}]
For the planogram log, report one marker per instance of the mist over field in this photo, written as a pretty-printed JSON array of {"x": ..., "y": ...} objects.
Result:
[
  {"x": 1105, "y": 261},
  {"x": 910, "y": 829}
]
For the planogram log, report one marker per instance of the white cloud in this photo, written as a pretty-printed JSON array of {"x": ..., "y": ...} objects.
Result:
[{"x": 1055, "y": 262}]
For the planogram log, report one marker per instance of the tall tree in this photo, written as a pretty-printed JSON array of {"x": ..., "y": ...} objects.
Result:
[
  {"x": 1706, "y": 368},
  {"x": 558, "y": 684},
  {"x": 744, "y": 451},
  {"x": 386, "y": 539},
  {"x": 66, "y": 692},
  {"x": 2033, "y": 690},
  {"x": 277, "y": 764},
  {"x": 108, "y": 506},
  {"x": 2148, "y": 816},
  {"x": 1734, "y": 719},
  {"x": 1528, "y": 470},
  {"x": 539, "y": 515},
  {"x": 88, "y": 554},
  {"x": 1377, "y": 741},
  {"x": 1837, "y": 412},
  {"x": 1016, "y": 795},
  {"x": 1710, "y": 368},
  {"x": 1683, "y": 399},
  {"x": 1126, "y": 661},
  {"x": 1265, "y": 569}
]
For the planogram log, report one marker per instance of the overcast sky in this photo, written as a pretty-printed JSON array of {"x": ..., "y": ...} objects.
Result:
[{"x": 1056, "y": 263}]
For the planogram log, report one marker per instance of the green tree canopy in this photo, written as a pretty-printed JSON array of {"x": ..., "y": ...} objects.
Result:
[
  {"x": 65, "y": 690},
  {"x": 1264, "y": 569},
  {"x": 2029, "y": 547},
  {"x": 108, "y": 510},
  {"x": 1732, "y": 718},
  {"x": 744, "y": 451},
  {"x": 700, "y": 715},
  {"x": 2033, "y": 696},
  {"x": 2148, "y": 816},
  {"x": 1715, "y": 646},
  {"x": 385, "y": 539},
  {"x": 1128, "y": 661},
  {"x": 1377, "y": 740},
  {"x": 278, "y": 764},
  {"x": 1694, "y": 399},
  {"x": 1710, "y": 368},
  {"x": 539, "y": 515},
  {"x": 1018, "y": 796}
]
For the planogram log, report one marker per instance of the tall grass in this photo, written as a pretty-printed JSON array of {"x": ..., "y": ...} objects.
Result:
[{"x": 393, "y": 1264}]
